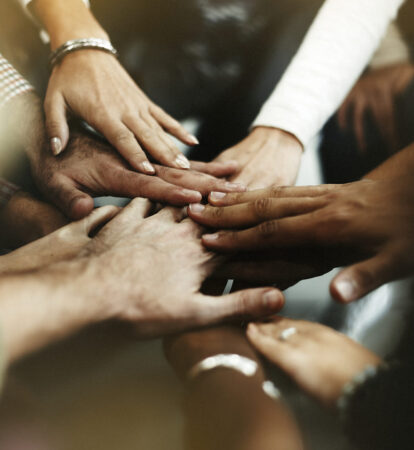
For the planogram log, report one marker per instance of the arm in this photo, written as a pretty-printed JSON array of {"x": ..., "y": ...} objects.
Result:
[
  {"x": 337, "y": 48},
  {"x": 93, "y": 85},
  {"x": 225, "y": 409}
]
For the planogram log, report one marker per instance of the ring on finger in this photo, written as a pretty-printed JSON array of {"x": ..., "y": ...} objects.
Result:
[{"x": 287, "y": 333}]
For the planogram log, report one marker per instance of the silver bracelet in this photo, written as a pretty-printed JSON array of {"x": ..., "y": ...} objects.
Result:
[
  {"x": 233, "y": 361},
  {"x": 80, "y": 44}
]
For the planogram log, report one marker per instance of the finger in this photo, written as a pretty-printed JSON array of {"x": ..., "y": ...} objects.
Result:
[
  {"x": 99, "y": 217},
  {"x": 74, "y": 203},
  {"x": 359, "y": 124},
  {"x": 131, "y": 184},
  {"x": 253, "y": 213},
  {"x": 216, "y": 169},
  {"x": 124, "y": 141},
  {"x": 360, "y": 279},
  {"x": 308, "y": 229},
  {"x": 383, "y": 111},
  {"x": 200, "y": 182},
  {"x": 251, "y": 303},
  {"x": 156, "y": 142},
  {"x": 223, "y": 199},
  {"x": 56, "y": 123},
  {"x": 172, "y": 126}
]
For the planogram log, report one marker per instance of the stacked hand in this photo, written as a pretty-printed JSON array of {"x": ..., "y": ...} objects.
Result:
[{"x": 371, "y": 218}]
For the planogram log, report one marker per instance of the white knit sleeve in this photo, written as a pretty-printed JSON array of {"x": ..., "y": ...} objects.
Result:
[{"x": 337, "y": 48}]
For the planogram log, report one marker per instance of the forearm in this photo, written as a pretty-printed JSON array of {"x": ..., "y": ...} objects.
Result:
[
  {"x": 225, "y": 409},
  {"x": 41, "y": 307},
  {"x": 65, "y": 20},
  {"x": 400, "y": 164},
  {"x": 337, "y": 48}
]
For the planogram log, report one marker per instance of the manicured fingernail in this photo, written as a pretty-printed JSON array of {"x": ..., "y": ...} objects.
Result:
[
  {"x": 346, "y": 289},
  {"x": 271, "y": 299},
  {"x": 210, "y": 237},
  {"x": 235, "y": 186},
  {"x": 195, "y": 194},
  {"x": 193, "y": 140},
  {"x": 148, "y": 167},
  {"x": 182, "y": 162},
  {"x": 197, "y": 208},
  {"x": 56, "y": 145},
  {"x": 217, "y": 195}
]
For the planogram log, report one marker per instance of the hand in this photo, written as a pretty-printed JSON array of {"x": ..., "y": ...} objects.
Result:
[
  {"x": 24, "y": 219},
  {"x": 375, "y": 94},
  {"x": 90, "y": 167},
  {"x": 94, "y": 86},
  {"x": 123, "y": 256},
  {"x": 374, "y": 218},
  {"x": 61, "y": 245},
  {"x": 320, "y": 360},
  {"x": 266, "y": 157}
]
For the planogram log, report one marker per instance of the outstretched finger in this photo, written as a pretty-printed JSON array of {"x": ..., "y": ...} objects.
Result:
[
  {"x": 216, "y": 169},
  {"x": 98, "y": 217},
  {"x": 57, "y": 128},
  {"x": 225, "y": 199},
  {"x": 360, "y": 279},
  {"x": 247, "y": 304},
  {"x": 250, "y": 214}
]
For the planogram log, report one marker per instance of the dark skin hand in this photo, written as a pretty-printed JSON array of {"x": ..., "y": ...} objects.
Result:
[
  {"x": 224, "y": 409},
  {"x": 90, "y": 167}
]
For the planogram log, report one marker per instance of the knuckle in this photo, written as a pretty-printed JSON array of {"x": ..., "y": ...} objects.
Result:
[
  {"x": 147, "y": 134},
  {"x": 122, "y": 136},
  {"x": 216, "y": 213},
  {"x": 276, "y": 191},
  {"x": 262, "y": 207},
  {"x": 268, "y": 228}
]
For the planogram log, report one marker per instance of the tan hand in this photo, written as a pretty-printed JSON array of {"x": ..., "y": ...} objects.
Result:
[
  {"x": 94, "y": 86},
  {"x": 267, "y": 156},
  {"x": 320, "y": 360}
]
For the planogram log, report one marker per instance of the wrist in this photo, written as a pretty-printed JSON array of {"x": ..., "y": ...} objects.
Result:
[{"x": 276, "y": 136}]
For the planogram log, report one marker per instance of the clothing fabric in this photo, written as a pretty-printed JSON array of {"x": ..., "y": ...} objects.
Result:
[
  {"x": 336, "y": 49},
  {"x": 12, "y": 83}
]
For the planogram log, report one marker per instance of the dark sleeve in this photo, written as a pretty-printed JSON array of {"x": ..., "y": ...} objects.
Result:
[{"x": 380, "y": 415}]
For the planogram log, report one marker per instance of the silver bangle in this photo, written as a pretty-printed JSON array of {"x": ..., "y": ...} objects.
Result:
[
  {"x": 233, "y": 361},
  {"x": 80, "y": 44}
]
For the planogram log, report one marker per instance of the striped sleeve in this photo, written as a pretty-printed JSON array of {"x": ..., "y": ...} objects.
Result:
[{"x": 12, "y": 83}]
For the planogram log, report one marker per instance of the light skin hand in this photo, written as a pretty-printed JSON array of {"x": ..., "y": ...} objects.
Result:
[
  {"x": 267, "y": 156},
  {"x": 320, "y": 360},
  {"x": 61, "y": 245},
  {"x": 376, "y": 94},
  {"x": 167, "y": 299},
  {"x": 91, "y": 167},
  {"x": 94, "y": 86},
  {"x": 332, "y": 217}
]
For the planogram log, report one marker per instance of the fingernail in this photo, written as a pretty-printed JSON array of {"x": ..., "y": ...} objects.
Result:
[
  {"x": 217, "y": 195},
  {"x": 148, "y": 167},
  {"x": 195, "y": 194},
  {"x": 235, "y": 186},
  {"x": 197, "y": 208},
  {"x": 210, "y": 237},
  {"x": 56, "y": 145},
  {"x": 193, "y": 139},
  {"x": 271, "y": 299},
  {"x": 182, "y": 162},
  {"x": 346, "y": 289}
]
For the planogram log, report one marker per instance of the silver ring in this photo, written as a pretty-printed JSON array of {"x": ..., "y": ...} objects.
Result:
[{"x": 286, "y": 334}]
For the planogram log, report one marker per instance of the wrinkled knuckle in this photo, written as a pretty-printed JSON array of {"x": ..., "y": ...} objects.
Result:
[
  {"x": 122, "y": 136},
  {"x": 268, "y": 228},
  {"x": 243, "y": 303},
  {"x": 262, "y": 207},
  {"x": 216, "y": 213},
  {"x": 276, "y": 191},
  {"x": 147, "y": 134}
]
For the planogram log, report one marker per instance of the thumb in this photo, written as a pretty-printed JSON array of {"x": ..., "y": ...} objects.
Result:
[
  {"x": 360, "y": 279},
  {"x": 98, "y": 217},
  {"x": 57, "y": 128},
  {"x": 74, "y": 203},
  {"x": 250, "y": 303}
]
